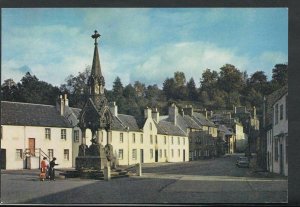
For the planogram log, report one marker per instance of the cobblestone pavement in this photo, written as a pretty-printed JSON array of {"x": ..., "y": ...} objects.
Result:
[{"x": 204, "y": 181}]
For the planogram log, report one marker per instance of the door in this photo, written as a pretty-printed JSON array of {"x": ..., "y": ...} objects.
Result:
[
  {"x": 3, "y": 159},
  {"x": 142, "y": 155},
  {"x": 281, "y": 160},
  {"x": 31, "y": 146},
  {"x": 156, "y": 155},
  {"x": 183, "y": 155}
]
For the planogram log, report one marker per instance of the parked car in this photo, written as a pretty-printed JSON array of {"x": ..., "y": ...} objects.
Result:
[{"x": 242, "y": 162}]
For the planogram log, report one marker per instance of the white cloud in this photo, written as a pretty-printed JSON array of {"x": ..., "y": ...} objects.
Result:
[{"x": 190, "y": 57}]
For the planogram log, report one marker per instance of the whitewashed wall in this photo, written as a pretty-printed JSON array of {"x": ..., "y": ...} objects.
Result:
[{"x": 16, "y": 137}]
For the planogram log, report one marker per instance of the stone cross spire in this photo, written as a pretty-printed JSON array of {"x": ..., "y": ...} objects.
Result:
[{"x": 96, "y": 81}]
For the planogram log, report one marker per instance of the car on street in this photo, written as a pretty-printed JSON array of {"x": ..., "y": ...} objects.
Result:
[{"x": 242, "y": 162}]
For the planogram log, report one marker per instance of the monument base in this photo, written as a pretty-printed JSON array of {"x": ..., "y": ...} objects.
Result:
[{"x": 90, "y": 162}]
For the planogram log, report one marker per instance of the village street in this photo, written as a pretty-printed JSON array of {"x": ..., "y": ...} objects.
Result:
[{"x": 204, "y": 181}]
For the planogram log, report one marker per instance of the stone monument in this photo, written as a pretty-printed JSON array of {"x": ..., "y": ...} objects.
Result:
[{"x": 95, "y": 116}]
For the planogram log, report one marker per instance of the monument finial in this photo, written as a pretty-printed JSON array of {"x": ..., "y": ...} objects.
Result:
[{"x": 95, "y": 36}]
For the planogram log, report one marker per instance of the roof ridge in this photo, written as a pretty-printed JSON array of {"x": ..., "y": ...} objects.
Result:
[{"x": 27, "y": 103}]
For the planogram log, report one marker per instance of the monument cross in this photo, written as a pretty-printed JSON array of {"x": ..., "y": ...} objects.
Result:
[{"x": 95, "y": 36}]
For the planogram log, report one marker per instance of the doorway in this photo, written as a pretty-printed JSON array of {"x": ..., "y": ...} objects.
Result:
[
  {"x": 156, "y": 155},
  {"x": 281, "y": 160},
  {"x": 31, "y": 145},
  {"x": 3, "y": 159},
  {"x": 183, "y": 155},
  {"x": 142, "y": 155}
]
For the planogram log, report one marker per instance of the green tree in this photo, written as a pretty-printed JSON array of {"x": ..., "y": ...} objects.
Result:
[
  {"x": 118, "y": 88},
  {"x": 169, "y": 88},
  {"x": 129, "y": 92},
  {"x": 230, "y": 79},
  {"x": 179, "y": 78},
  {"x": 77, "y": 88},
  {"x": 280, "y": 74},
  {"x": 192, "y": 91}
]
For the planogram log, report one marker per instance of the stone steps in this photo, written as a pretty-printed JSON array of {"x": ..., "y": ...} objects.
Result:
[{"x": 98, "y": 175}]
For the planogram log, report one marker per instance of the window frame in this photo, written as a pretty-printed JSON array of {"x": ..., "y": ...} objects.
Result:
[
  {"x": 19, "y": 154},
  {"x": 121, "y": 137},
  {"x": 48, "y": 133},
  {"x": 68, "y": 154},
  {"x": 76, "y": 134},
  {"x": 134, "y": 154},
  {"x": 63, "y": 134},
  {"x": 120, "y": 152}
]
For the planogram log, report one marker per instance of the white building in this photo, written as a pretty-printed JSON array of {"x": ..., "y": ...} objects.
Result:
[
  {"x": 277, "y": 133},
  {"x": 31, "y": 131}
]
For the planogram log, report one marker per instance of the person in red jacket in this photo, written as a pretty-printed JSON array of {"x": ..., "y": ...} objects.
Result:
[{"x": 44, "y": 167}]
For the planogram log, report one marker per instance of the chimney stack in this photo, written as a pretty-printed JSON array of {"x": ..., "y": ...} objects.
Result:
[
  {"x": 147, "y": 113},
  {"x": 188, "y": 110},
  {"x": 66, "y": 100},
  {"x": 173, "y": 112},
  {"x": 155, "y": 115},
  {"x": 114, "y": 109},
  {"x": 62, "y": 105}
]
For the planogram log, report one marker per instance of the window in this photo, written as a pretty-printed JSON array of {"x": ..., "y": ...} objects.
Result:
[
  {"x": 151, "y": 139},
  {"x": 165, "y": 152},
  {"x": 151, "y": 153},
  {"x": 172, "y": 140},
  {"x": 50, "y": 153},
  {"x": 172, "y": 151},
  {"x": 133, "y": 138},
  {"x": 63, "y": 134},
  {"x": 183, "y": 140},
  {"x": 19, "y": 154},
  {"x": 276, "y": 114},
  {"x": 47, "y": 133},
  {"x": 120, "y": 156},
  {"x": 141, "y": 139},
  {"x": 276, "y": 149},
  {"x": 155, "y": 139},
  {"x": 178, "y": 140},
  {"x": 76, "y": 135},
  {"x": 150, "y": 126},
  {"x": 121, "y": 137},
  {"x": 66, "y": 154},
  {"x": 160, "y": 153},
  {"x": 178, "y": 152},
  {"x": 101, "y": 136},
  {"x": 286, "y": 107},
  {"x": 134, "y": 154},
  {"x": 165, "y": 139},
  {"x": 281, "y": 111}
]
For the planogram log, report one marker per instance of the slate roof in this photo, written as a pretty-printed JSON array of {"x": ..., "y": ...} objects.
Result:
[
  {"x": 191, "y": 123},
  {"x": 165, "y": 127},
  {"x": 28, "y": 114},
  {"x": 198, "y": 117},
  {"x": 119, "y": 123},
  {"x": 129, "y": 121}
]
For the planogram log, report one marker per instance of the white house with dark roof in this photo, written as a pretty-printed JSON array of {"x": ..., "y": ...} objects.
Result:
[
  {"x": 274, "y": 143},
  {"x": 31, "y": 131}
]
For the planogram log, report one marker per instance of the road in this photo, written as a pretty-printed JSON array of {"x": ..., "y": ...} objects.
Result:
[{"x": 203, "y": 181}]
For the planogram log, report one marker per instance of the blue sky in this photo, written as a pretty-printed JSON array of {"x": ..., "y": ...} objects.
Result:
[{"x": 144, "y": 44}]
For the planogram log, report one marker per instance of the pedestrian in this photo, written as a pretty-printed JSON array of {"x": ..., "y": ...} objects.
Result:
[
  {"x": 51, "y": 169},
  {"x": 47, "y": 172},
  {"x": 43, "y": 169}
]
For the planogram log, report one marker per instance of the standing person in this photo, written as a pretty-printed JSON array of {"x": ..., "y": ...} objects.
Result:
[
  {"x": 47, "y": 172},
  {"x": 51, "y": 169},
  {"x": 43, "y": 169}
]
